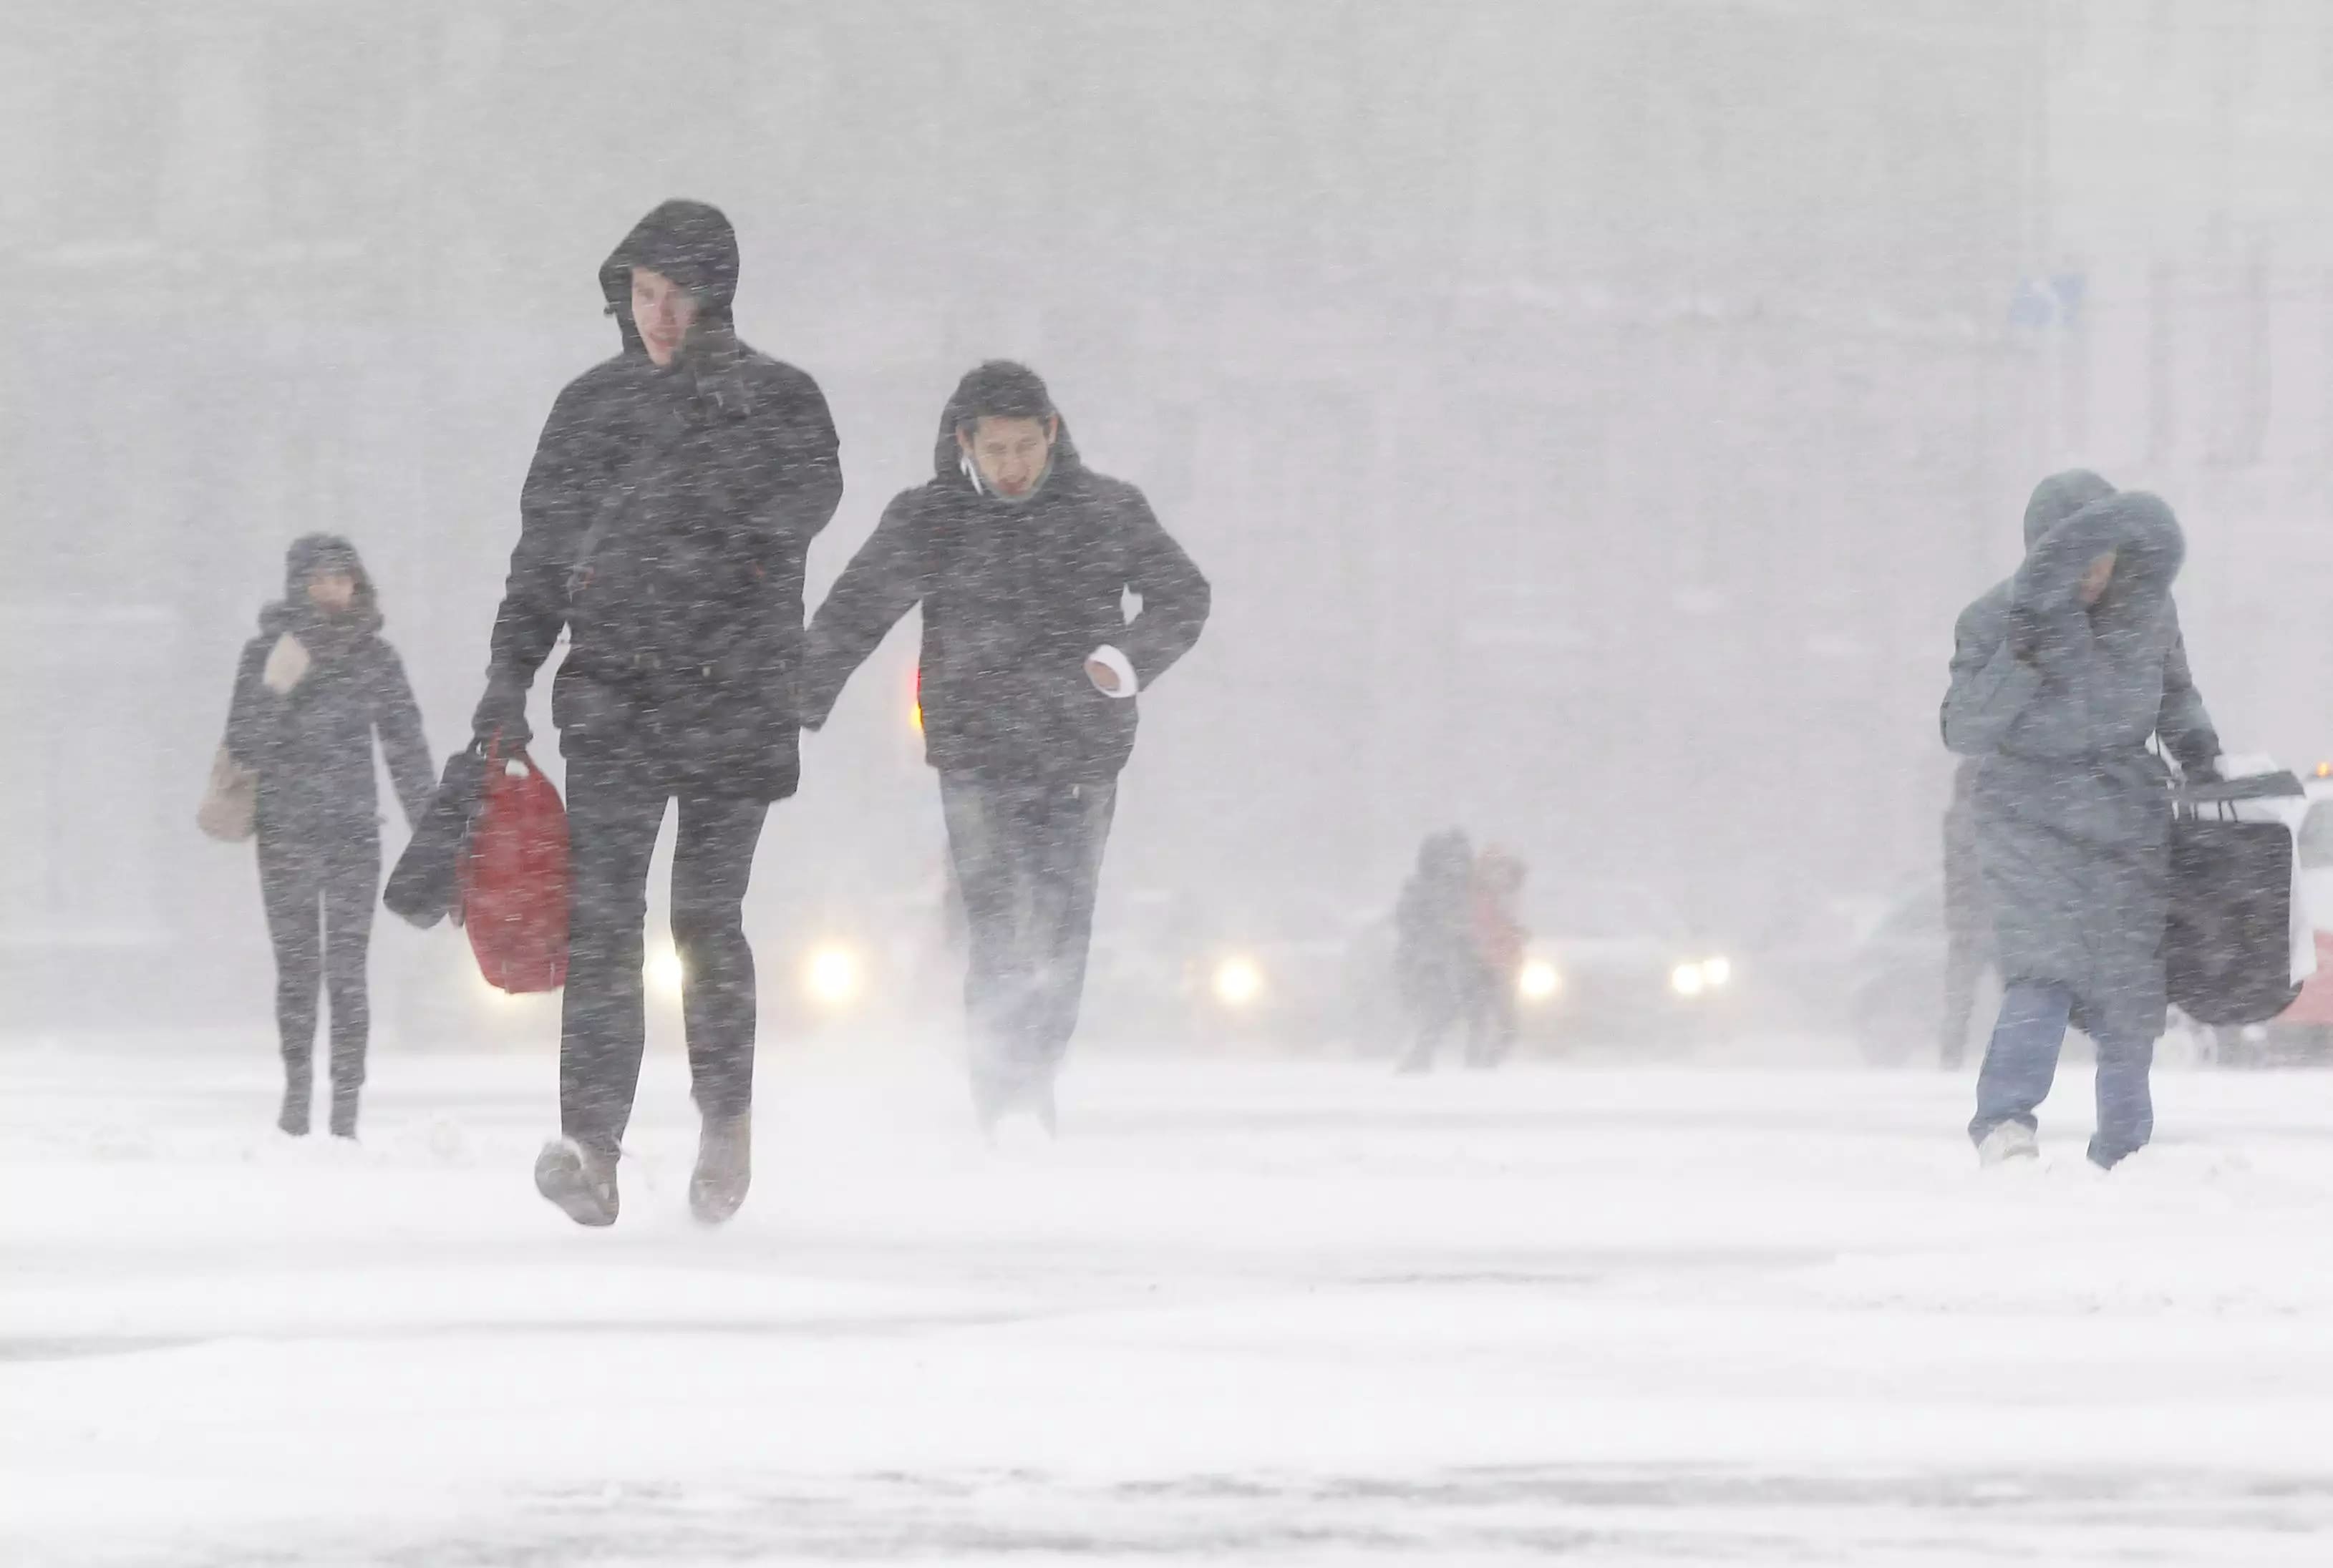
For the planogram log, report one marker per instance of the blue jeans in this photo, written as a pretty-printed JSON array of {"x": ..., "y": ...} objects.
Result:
[
  {"x": 2022, "y": 1058},
  {"x": 1027, "y": 862}
]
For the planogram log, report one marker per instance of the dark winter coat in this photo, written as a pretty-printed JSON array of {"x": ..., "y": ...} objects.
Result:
[
  {"x": 1434, "y": 951},
  {"x": 2058, "y": 703},
  {"x": 1016, "y": 597},
  {"x": 664, "y": 525},
  {"x": 312, "y": 746}
]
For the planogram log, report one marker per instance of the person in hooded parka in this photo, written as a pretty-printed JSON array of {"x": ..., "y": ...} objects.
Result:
[
  {"x": 1436, "y": 961},
  {"x": 1023, "y": 558},
  {"x": 311, "y": 691},
  {"x": 664, "y": 526},
  {"x": 2061, "y": 678}
]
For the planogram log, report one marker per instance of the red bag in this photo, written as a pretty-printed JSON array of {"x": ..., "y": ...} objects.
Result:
[{"x": 512, "y": 878}]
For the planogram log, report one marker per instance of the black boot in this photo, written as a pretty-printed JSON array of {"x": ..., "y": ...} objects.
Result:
[
  {"x": 344, "y": 1110},
  {"x": 299, "y": 1090}
]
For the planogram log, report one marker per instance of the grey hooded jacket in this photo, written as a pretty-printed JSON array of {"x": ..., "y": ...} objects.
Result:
[{"x": 2058, "y": 702}]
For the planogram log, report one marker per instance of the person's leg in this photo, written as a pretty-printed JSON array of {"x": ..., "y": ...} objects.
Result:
[
  {"x": 1432, "y": 1021},
  {"x": 2126, "y": 1100},
  {"x": 289, "y": 890},
  {"x": 2022, "y": 1059},
  {"x": 1073, "y": 835},
  {"x": 985, "y": 832},
  {"x": 351, "y": 887},
  {"x": 1482, "y": 1015},
  {"x": 712, "y": 864},
  {"x": 1498, "y": 1016},
  {"x": 613, "y": 816}
]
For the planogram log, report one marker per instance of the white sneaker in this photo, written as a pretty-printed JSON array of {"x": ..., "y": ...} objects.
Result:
[{"x": 2010, "y": 1141}]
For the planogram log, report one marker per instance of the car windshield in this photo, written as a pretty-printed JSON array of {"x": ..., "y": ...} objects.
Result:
[
  {"x": 1604, "y": 912},
  {"x": 2317, "y": 837}
]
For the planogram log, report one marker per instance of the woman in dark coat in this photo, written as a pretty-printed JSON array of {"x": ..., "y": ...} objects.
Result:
[
  {"x": 310, "y": 692},
  {"x": 2061, "y": 676}
]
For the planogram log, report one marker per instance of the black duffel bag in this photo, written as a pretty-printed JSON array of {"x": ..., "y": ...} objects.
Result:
[
  {"x": 2227, "y": 946},
  {"x": 424, "y": 887}
]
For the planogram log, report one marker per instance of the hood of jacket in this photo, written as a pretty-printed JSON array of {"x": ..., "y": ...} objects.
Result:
[
  {"x": 949, "y": 462},
  {"x": 2058, "y": 498},
  {"x": 2138, "y": 530},
  {"x": 2149, "y": 549},
  {"x": 690, "y": 242},
  {"x": 310, "y": 555}
]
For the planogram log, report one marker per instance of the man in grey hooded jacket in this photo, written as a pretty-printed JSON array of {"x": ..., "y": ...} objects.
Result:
[{"x": 2061, "y": 678}]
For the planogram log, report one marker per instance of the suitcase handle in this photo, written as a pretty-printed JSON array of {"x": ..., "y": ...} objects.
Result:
[{"x": 2283, "y": 785}]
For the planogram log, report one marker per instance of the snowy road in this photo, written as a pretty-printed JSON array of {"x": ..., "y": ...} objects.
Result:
[{"x": 1241, "y": 1313}]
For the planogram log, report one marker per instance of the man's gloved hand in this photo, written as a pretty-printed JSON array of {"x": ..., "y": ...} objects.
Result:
[{"x": 502, "y": 712}]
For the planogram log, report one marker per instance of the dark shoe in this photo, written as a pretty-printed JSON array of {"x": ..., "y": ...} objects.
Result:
[
  {"x": 292, "y": 1119},
  {"x": 344, "y": 1113},
  {"x": 724, "y": 1167},
  {"x": 582, "y": 1181}
]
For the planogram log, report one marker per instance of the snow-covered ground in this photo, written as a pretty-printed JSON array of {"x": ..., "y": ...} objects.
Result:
[{"x": 1240, "y": 1313}]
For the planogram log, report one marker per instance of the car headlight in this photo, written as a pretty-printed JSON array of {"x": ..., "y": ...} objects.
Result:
[
  {"x": 1238, "y": 982},
  {"x": 492, "y": 994},
  {"x": 1539, "y": 980},
  {"x": 1716, "y": 971},
  {"x": 1687, "y": 979},
  {"x": 833, "y": 977},
  {"x": 665, "y": 971}
]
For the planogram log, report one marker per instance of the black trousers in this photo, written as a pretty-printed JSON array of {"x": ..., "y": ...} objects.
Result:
[
  {"x": 614, "y": 809},
  {"x": 1028, "y": 860},
  {"x": 319, "y": 889}
]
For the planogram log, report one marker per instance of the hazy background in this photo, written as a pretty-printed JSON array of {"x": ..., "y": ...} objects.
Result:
[{"x": 1592, "y": 413}]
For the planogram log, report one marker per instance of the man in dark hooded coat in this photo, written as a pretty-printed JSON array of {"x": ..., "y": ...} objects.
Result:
[
  {"x": 2061, "y": 677},
  {"x": 311, "y": 691},
  {"x": 1021, "y": 557},
  {"x": 664, "y": 526}
]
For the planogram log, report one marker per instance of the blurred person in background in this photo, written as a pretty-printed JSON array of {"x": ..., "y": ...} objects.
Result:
[
  {"x": 1494, "y": 895},
  {"x": 1436, "y": 961},
  {"x": 663, "y": 526},
  {"x": 1021, "y": 557},
  {"x": 311, "y": 691},
  {"x": 1968, "y": 919},
  {"x": 2061, "y": 676}
]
